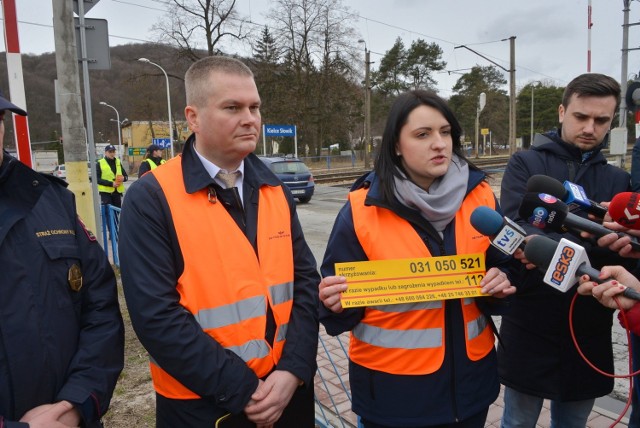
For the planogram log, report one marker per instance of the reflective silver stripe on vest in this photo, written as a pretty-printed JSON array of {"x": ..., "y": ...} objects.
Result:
[
  {"x": 406, "y": 339},
  {"x": 282, "y": 333},
  {"x": 232, "y": 314},
  {"x": 406, "y": 307},
  {"x": 476, "y": 327},
  {"x": 281, "y": 293},
  {"x": 252, "y": 349}
]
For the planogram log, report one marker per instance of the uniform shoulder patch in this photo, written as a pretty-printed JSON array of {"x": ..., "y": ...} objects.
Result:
[{"x": 87, "y": 232}]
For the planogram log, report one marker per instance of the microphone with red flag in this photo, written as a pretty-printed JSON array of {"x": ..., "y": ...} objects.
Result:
[{"x": 624, "y": 209}]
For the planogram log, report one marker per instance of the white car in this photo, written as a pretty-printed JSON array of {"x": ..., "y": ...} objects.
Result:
[{"x": 61, "y": 172}]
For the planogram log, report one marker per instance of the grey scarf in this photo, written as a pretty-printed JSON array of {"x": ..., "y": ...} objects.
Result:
[{"x": 440, "y": 203}]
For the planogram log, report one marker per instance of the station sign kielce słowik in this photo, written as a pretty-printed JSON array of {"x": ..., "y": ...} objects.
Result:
[{"x": 280, "y": 130}]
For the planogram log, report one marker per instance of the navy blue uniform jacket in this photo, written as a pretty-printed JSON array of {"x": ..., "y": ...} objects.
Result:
[
  {"x": 55, "y": 343},
  {"x": 152, "y": 261}
]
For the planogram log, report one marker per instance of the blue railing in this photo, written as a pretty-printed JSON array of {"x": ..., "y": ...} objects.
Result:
[{"x": 110, "y": 223}]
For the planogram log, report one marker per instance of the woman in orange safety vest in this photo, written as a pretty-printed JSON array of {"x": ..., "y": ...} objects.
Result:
[{"x": 416, "y": 363}]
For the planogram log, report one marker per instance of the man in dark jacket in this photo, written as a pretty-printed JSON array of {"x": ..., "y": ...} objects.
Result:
[
  {"x": 111, "y": 174},
  {"x": 62, "y": 336},
  {"x": 219, "y": 280},
  {"x": 537, "y": 358}
]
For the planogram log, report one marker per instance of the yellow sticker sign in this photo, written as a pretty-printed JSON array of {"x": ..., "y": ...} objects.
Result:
[{"x": 388, "y": 282}]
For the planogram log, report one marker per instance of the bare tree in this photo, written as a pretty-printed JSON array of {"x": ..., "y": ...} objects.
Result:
[
  {"x": 316, "y": 39},
  {"x": 198, "y": 26}
]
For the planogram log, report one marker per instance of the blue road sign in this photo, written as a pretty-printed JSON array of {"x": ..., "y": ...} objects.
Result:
[
  {"x": 280, "y": 130},
  {"x": 165, "y": 143}
]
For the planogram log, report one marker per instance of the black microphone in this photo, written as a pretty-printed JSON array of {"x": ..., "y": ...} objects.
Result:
[
  {"x": 565, "y": 262},
  {"x": 570, "y": 193},
  {"x": 545, "y": 211},
  {"x": 505, "y": 234}
]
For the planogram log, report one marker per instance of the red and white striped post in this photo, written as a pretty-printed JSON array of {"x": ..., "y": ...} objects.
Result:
[
  {"x": 589, "y": 25},
  {"x": 16, "y": 81}
]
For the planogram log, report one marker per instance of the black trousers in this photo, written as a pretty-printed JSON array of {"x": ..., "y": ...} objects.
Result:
[
  {"x": 114, "y": 199},
  {"x": 475, "y": 421},
  {"x": 170, "y": 413}
]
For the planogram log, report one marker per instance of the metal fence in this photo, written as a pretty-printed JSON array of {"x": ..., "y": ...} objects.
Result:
[{"x": 110, "y": 224}]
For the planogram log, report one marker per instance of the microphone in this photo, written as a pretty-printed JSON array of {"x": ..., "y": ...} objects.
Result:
[
  {"x": 624, "y": 209},
  {"x": 505, "y": 234},
  {"x": 570, "y": 193},
  {"x": 564, "y": 262},
  {"x": 545, "y": 211}
]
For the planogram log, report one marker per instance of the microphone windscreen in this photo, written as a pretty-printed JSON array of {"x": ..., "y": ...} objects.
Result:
[
  {"x": 624, "y": 209},
  {"x": 543, "y": 211},
  {"x": 486, "y": 221},
  {"x": 540, "y": 250},
  {"x": 544, "y": 184}
]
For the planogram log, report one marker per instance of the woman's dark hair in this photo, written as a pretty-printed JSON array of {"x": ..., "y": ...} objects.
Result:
[{"x": 387, "y": 162}]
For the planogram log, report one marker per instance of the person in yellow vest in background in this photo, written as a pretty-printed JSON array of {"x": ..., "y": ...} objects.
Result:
[
  {"x": 153, "y": 159},
  {"x": 111, "y": 175},
  {"x": 419, "y": 363}
]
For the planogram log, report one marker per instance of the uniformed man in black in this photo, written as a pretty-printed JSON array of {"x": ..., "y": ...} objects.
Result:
[
  {"x": 61, "y": 331},
  {"x": 111, "y": 174}
]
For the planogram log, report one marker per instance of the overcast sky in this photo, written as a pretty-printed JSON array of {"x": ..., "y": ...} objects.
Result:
[{"x": 551, "y": 35}]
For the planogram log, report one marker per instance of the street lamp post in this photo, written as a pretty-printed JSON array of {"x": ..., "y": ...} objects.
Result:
[
  {"x": 168, "y": 100},
  {"x": 120, "y": 153},
  {"x": 512, "y": 88},
  {"x": 367, "y": 105},
  {"x": 482, "y": 100},
  {"x": 532, "y": 92}
]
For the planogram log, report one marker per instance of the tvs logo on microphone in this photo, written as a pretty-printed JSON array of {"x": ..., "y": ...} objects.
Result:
[{"x": 562, "y": 265}]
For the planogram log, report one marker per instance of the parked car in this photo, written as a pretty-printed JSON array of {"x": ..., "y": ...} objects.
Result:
[
  {"x": 295, "y": 174},
  {"x": 61, "y": 172}
]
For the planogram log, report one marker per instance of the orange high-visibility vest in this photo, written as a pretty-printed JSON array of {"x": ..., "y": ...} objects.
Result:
[
  {"x": 408, "y": 339},
  {"x": 224, "y": 284}
]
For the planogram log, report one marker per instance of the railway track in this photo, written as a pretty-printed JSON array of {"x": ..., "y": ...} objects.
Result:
[
  {"x": 490, "y": 164},
  {"x": 350, "y": 175}
]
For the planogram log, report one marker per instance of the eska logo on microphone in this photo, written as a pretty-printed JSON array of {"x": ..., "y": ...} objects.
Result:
[{"x": 562, "y": 265}]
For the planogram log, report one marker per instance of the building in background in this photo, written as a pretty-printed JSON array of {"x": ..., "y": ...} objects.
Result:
[{"x": 138, "y": 135}]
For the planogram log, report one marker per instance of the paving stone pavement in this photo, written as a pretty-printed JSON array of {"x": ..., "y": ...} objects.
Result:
[{"x": 332, "y": 383}]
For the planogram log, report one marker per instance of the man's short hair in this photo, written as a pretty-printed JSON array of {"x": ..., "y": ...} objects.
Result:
[
  {"x": 592, "y": 85},
  {"x": 196, "y": 80}
]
